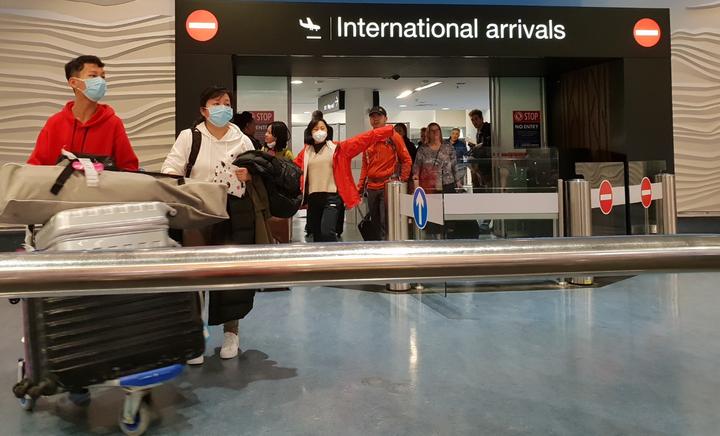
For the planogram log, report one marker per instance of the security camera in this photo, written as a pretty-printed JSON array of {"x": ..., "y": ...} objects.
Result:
[{"x": 395, "y": 76}]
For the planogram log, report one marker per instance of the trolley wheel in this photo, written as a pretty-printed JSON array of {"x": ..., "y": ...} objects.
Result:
[
  {"x": 27, "y": 403},
  {"x": 141, "y": 424}
]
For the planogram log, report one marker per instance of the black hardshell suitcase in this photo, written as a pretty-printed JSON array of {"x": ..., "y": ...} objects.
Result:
[{"x": 75, "y": 342}]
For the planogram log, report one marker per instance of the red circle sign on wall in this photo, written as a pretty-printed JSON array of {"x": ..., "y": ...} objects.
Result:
[
  {"x": 606, "y": 197},
  {"x": 647, "y": 32},
  {"x": 201, "y": 25},
  {"x": 646, "y": 192}
]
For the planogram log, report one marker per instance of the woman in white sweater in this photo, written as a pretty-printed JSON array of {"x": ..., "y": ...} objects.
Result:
[{"x": 217, "y": 136}]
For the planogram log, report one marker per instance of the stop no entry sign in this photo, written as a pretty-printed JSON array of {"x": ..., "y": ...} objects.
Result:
[
  {"x": 606, "y": 197},
  {"x": 646, "y": 192}
]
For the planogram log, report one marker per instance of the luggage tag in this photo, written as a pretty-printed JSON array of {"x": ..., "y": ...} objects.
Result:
[{"x": 91, "y": 169}]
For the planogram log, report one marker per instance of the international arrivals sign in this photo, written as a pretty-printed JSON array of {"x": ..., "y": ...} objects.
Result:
[
  {"x": 350, "y": 29},
  {"x": 425, "y": 28}
]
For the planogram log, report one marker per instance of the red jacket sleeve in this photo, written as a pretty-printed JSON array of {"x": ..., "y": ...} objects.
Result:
[
  {"x": 403, "y": 156},
  {"x": 123, "y": 153},
  {"x": 357, "y": 144},
  {"x": 300, "y": 162},
  {"x": 363, "y": 173},
  {"x": 41, "y": 153}
]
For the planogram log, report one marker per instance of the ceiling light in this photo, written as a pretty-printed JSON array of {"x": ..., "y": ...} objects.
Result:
[
  {"x": 306, "y": 112},
  {"x": 429, "y": 85},
  {"x": 404, "y": 94},
  {"x": 296, "y": 82},
  {"x": 446, "y": 108},
  {"x": 402, "y": 105}
]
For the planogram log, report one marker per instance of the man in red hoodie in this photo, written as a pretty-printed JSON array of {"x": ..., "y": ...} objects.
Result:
[
  {"x": 85, "y": 126},
  {"x": 381, "y": 162}
]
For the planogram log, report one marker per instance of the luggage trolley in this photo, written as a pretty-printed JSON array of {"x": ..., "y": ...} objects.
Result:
[{"x": 135, "y": 342}]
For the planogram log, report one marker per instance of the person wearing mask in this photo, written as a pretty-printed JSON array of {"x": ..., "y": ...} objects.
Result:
[
  {"x": 340, "y": 227},
  {"x": 277, "y": 136},
  {"x": 245, "y": 121},
  {"x": 435, "y": 167},
  {"x": 382, "y": 162},
  {"x": 423, "y": 137},
  {"x": 218, "y": 136},
  {"x": 327, "y": 176},
  {"x": 84, "y": 126},
  {"x": 401, "y": 128},
  {"x": 461, "y": 150}
]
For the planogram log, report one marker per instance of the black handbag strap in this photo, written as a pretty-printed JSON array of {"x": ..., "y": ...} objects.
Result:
[
  {"x": 63, "y": 177},
  {"x": 194, "y": 151}
]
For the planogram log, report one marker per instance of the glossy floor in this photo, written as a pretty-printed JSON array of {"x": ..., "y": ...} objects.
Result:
[{"x": 637, "y": 357}]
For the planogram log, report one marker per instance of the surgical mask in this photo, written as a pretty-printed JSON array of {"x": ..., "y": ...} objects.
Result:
[
  {"x": 95, "y": 88},
  {"x": 220, "y": 115},
  {"x": 270, "y": 144},
  {"x": 319, "y": 136}
]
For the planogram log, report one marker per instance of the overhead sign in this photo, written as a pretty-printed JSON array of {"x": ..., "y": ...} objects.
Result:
[
  {"x": 420, "y": 208},
  {"x": 332, "y": 102},
  {"x": 201, "y": 25},
  {"x": 646, "y": 192},
  {"x": 647, "y": 32},
  {"x": 337, "y": 29},
  {"x": 606, "y": 197},
  {"x": 526, "y": 129}
]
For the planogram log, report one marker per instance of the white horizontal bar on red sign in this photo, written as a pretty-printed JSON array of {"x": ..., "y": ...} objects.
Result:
[
  {"x": 618, "y": 197},
  {"x": 647, "y": 32},
  {"x": 201, "y": 25},
  {"x": 635, "y": 194}
]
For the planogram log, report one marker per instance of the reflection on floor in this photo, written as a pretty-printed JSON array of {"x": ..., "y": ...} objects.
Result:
[{"x": 638, "y": 357}]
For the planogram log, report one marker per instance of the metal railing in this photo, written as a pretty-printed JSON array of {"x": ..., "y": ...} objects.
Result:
[{"x": 248, "y": 267}]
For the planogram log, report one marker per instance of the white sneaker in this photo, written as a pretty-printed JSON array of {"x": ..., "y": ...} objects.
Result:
[
  {"x": 230, "y": 347},
  {"x": 197, "y": 361}
]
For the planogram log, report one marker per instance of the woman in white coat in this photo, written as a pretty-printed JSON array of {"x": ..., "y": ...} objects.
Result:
[{"x": 217, "y": 136}]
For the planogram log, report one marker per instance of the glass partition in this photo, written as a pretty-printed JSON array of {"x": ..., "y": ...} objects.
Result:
[{"x": 503, "y": 195}]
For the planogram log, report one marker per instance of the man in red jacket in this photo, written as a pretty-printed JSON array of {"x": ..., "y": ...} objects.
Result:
[
  {"x": 84, "y": 126},
  {"x": 382, "y": 162}
]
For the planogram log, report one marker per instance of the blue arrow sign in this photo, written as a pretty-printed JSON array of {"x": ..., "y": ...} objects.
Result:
[{"x": 420, "y": 208}]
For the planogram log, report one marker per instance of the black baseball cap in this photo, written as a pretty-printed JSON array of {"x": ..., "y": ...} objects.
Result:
[{"x": 378, "y": 110}]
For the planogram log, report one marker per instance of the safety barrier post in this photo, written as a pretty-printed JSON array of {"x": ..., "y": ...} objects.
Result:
[
  {"x": 667, "y": 205},
  {"x": 578, "y": 218},
  {"x": 397, "y": 223}
]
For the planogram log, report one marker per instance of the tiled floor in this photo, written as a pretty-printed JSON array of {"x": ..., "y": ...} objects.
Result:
[{"x": 636, "y": 357}]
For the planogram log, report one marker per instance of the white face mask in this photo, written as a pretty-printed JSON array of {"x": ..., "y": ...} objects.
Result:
[
  {"x": 270, "y": 144},
  {"x": 319, "y": 136}
]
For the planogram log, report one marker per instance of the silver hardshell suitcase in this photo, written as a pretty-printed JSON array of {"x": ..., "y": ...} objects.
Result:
[{"x": 117, "y": 227}]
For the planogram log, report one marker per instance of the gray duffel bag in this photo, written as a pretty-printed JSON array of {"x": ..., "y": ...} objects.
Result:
[{"x": 27, "y": 194}]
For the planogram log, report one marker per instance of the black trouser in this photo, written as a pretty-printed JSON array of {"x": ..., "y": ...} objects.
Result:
[
  {"x": 341, "y": 219},
  {"x": 377, "y": 209},
  {"x": 323, "y": 210},
  {"x": 226, "y": 307}
]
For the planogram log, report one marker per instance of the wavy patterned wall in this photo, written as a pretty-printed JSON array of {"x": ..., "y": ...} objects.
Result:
[
  {"x": 134, "y": 38},
  {"x": 696, "y": 107}
]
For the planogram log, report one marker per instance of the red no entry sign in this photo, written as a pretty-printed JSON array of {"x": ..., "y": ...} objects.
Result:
[
  {"x": 646, "y": 192},
  {"x": 647, "y": 32},
  {"x": 201, "y": 25},
  {"x": 606, "y": 197}
]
